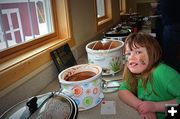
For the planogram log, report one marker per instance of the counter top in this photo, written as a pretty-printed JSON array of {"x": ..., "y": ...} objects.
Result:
[{"x": 123, "y": 111}]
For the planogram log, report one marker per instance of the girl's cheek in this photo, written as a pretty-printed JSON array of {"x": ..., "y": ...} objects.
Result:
[{"x": 142, "y": 60}]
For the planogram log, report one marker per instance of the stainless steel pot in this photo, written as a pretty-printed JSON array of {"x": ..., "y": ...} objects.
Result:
[{"x": 47, "y": 106}]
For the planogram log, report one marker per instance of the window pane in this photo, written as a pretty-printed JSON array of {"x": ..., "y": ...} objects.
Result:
[
  {"x": 122, "y": 4},
  {"x": 21, "y": 21},
  {"x": 100, "y": 8}
]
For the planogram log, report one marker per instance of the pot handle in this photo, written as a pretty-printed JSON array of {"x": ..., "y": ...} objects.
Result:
[
  {"x": 66, "y": 92},
  {"x": 99, "y": 58}
]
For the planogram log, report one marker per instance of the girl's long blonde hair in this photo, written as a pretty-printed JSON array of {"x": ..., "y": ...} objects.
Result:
[{"x": 154, "y": 52}]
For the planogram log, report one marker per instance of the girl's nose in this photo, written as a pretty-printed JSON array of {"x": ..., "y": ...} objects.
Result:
[{"x": 131, "y": 56}]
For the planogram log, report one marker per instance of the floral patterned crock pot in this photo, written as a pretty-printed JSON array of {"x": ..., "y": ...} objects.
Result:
[{"x": 86, "y": 93}]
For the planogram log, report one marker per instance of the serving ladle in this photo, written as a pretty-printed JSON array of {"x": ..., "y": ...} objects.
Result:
[{"x": 106, "y": 82}]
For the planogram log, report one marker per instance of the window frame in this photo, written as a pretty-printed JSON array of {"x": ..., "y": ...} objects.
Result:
[
  {"x": 122, "y": 6},
  {"x": 107, "y": 18},
  {"x": 21, "y": 61},
  {"x": 14, "y": 51},
  {"x": 105, "y": 12}
]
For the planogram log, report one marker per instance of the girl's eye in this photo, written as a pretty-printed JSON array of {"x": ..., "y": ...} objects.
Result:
[
  {"x": 138, "y": 52},
  {"x": 127, "y": 54}
]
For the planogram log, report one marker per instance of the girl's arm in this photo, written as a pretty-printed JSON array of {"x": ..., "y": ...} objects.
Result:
[
  {"x": 148, "y": 106},
  {"x": 160, "y": 106},
  {"x": 129, "y": 98}
]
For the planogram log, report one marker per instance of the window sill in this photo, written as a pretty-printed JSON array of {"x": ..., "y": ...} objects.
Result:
[
  {"x": 104, "y": 23},
  {"x": 16, "y": 68}
]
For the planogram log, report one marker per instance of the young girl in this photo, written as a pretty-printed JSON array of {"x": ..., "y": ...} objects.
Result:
[{"x": 148, "y": 83}]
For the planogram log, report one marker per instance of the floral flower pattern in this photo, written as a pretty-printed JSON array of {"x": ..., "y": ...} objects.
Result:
[{"x": 77, "y": 91}]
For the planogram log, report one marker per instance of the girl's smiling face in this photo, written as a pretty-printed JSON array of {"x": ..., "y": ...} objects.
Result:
[{"x": 137, "y": 59}]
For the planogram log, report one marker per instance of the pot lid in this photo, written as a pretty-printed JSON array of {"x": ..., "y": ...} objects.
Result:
[
  {"x": 48, "y": 107},
  {"x": 122, "y": 32}
]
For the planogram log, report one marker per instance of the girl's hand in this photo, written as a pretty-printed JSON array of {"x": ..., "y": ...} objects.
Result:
[
  {"x": 146, "y": 107},
  {"x": 150, "y": 115}
]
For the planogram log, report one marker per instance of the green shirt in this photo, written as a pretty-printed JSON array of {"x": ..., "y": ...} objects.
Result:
[{"x": 166, "y": 84}]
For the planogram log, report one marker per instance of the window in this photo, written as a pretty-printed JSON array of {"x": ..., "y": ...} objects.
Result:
[
  {"x": 122, "y": 6},
  {"x": 26, "y": 57},
  {"x": 103, "y": 13},
  {"x": 100, "y": 8},
  {"x": 24, "y": 21}
]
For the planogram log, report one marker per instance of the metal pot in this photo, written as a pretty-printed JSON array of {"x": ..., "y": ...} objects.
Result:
[{"x": 46, "y": 106}]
